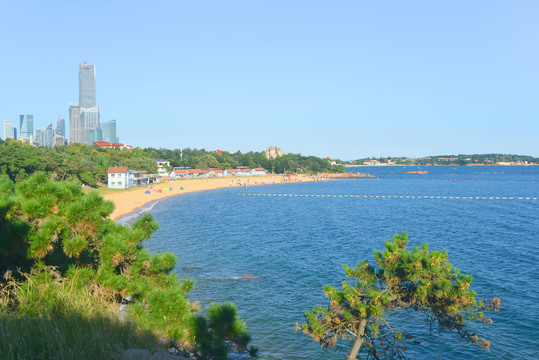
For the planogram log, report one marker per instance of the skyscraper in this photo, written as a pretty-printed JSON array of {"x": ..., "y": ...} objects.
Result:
[
  {"x": 10, "y": 131},
  {"x": 94, "y": 135},
  {"x": 87, "y": 86},
  {"x": 38, "y": 138},
  {"x": 89, "y": 119},
  {"x": 108, "y": 130},
  {"x": 47, "y": 136},
  {"x": 61, "y": 127},
  {"x": 84, "y": 116},
  {"x": 27, "y": 128},
  {"x": 75, "y": 128}
]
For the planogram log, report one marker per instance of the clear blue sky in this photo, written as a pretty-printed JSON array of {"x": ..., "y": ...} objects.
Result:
[{"x": 345, "y": 79}]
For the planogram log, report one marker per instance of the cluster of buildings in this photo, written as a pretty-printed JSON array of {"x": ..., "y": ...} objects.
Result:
[
  {"x": 50, "y": 136},
  {"x": 124, "y": 178},
  {"x": 193, "y": 173},
  {"x": 85, "y": 126}
]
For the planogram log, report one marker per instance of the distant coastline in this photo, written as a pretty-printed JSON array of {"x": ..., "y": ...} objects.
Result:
[{"x": 453, "y": 165}]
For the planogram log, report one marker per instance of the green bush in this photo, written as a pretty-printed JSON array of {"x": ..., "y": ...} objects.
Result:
[{"x": 65, "y": 259}]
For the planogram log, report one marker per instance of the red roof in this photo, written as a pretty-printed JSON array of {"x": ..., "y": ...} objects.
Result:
[
  {"x": 117, "y": 170},
  {"x": 246, "y": 170},
  {"x": 260, "y": 169},
  {"x": 196, "y": 171},
  {"x": 232, "y": 170},
  {"x": 118, "y": 144},
  {"x": 181, "y": 172},
  {"x": 218, "y": 171},
  {"x": 219, "y": 151},
  {"x": 102, "y": 143}
]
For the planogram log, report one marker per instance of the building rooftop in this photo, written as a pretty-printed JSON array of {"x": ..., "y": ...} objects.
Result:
[{"x": 117, "y": 170}]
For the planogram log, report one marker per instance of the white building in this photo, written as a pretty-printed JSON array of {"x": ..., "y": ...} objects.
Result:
[{"x": 161, "y": 167}]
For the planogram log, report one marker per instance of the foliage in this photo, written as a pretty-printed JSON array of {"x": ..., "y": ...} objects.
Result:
[
  {"x": 200, "y": 158},
  {"x": 76, "y": 162},
  {"x": 220, "y": 331},
  {"x": 56, "y": 239},
  {"x": 52, "y": 223},
  {"x": 53, "y": 312},
  {"x": 88, "y": 164},
  {"x": 401, "y": 280}
]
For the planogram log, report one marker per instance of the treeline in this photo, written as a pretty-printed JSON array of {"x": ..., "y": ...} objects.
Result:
[
  {"x": 196, "y": 158},
  {"x": 88, "y": 164},
  {"x": 76, "y": 162},
  {"x": 475, "y": 159}
]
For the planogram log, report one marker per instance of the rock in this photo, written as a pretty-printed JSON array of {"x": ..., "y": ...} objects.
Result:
[{"x": 246, "y": 276}]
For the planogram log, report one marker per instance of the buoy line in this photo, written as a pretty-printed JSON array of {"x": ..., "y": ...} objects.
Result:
[{"x": 401, "y": 196}]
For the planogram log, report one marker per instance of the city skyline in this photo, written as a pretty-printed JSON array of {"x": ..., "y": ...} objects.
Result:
[
  {"x": 348, "y": 80},
  {"x": 84, "y": 120}
]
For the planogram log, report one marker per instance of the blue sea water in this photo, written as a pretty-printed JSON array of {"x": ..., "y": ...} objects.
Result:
[{"x": 297, "y": 244}]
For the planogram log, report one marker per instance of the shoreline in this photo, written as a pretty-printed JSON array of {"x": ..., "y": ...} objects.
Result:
[{"x": 128, "y": 201}]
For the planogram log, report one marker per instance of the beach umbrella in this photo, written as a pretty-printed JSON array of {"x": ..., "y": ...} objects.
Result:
[
  {"x": 147, "y": 192},
  {"x": 181, "y": 188},
  {"x": 159, "y": 191}
]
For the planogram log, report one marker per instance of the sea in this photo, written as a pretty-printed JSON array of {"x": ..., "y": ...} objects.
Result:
[{"x": 295, "y": 238}]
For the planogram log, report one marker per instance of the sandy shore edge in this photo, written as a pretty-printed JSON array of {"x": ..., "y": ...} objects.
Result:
[{"x": 130, "y": 200}]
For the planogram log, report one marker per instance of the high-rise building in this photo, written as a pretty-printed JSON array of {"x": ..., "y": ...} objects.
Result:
[
  {"x": 89, "y": 119},
  {"x": 87, "y": 86},
  {"x": 75, "y": 128},
  {"x": 60, "y": 127},
  {"x": 47, "y": 136},
  {"x": 108, "y": 130},
  {"x": 10, "y": 131},
  {"x": 27, "y": 128},
  {"x": 84, "y": 116},
  {"x": 38, "y": 138},
  {"x": 95, "y": 135}
]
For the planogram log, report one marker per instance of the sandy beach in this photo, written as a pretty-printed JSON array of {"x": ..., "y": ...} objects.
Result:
[{"x": 128, "y": 200}]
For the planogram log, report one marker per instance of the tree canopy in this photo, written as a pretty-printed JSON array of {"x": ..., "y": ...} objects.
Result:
[
  {"x": 401, "y": 280},
  {"x": 47, "y": 224},
  {"x": 88, "y": 164}
]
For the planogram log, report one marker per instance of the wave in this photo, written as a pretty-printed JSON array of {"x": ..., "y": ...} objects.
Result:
[{"x": 129, "y": 219}]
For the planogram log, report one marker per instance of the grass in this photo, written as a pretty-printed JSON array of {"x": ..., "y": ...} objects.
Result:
[{"x": 49, "y": 317}]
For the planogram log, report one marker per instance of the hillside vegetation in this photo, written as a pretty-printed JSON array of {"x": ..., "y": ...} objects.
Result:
[
  {"x": 88, "y": 164},
  {"x": 65, "y": 268}
]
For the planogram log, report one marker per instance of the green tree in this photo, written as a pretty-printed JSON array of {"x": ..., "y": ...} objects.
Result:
[
  {"x": 46, "y": 224},
  {"x": 417, "y": 280},
  {"x": 221, "y": 330}
]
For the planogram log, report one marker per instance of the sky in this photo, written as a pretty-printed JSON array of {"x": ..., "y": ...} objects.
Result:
[{"x": 340, "y": 79}]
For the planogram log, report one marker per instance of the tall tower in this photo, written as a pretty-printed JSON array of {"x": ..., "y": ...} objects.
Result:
[
  {"x": 61, "y": 127},
  {"x": 47, "y": 136},
  {"x": 38, "y": 138},
  {"x": 108, "y": 129},
  {"x": 10, "y": 131},
  {"x": 75, "y": 128},
  {"x": 84, "y": 115},
  {"x": 87, "y": 86},
  {"x": 27, "y": 128}
]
